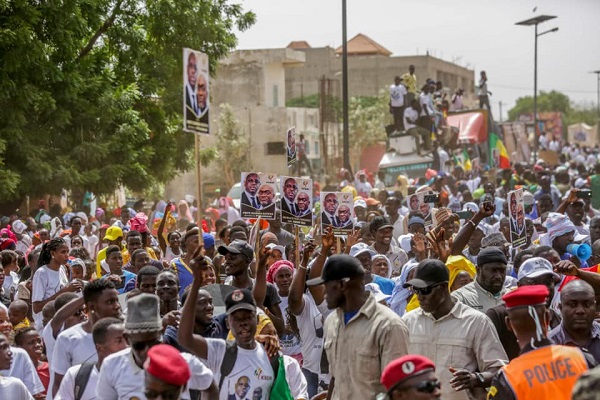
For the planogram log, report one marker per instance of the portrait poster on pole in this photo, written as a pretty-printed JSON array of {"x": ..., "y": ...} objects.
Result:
[
  {"x": 516, "y": 213},
  {"x": 296, "y": 201},
  {"x": 337, "y": 210},
  {"x": 258, "y": 195},
  {"x": 195, "y": 92},
  {"x": 291, "y": 146}
]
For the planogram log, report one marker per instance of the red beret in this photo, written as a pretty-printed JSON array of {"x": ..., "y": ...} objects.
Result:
[
  {"x": 166, "y": 363},
  {"x": 403, "y": 368},
  {"x": 532, "y": 295}
]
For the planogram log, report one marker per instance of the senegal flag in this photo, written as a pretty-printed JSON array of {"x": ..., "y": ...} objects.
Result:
[
  {"x": 463, "y": 160},
  {"x": 498, "y": 152}
]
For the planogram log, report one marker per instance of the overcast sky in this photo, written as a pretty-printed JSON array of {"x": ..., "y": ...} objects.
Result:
[{"x": 480, "y": 34}]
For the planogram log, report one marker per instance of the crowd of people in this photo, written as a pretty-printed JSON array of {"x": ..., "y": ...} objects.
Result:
[{"x": 419, "y": 301}]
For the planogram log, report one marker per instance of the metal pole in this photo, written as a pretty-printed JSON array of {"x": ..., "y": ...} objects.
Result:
[
  {"x": 598, "y": 101},
  {"x": 535, "y": 124},
  {"x": 345, "y": 127}
]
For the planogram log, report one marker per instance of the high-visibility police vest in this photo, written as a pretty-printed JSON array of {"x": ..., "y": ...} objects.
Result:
[{"x": 549, "y": 372}]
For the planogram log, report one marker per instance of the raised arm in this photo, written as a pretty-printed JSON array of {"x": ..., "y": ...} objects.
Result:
[
  {"x": 161, "y": 228},
  {"x": 185, "y": 334},
  {"x": 295, "y": 298},
  {"x": 259, "y": 290},
  {"x": 464, "y": 234},
  {"x": 327, "y": 242},
  {"x": 65, "y": 312}
]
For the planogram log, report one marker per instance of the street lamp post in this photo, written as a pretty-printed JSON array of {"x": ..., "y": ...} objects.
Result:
[
  {"x": 528, "y": 22},
  {"x": 597, "y": 101},
  {"x": 345, "y": 127}
]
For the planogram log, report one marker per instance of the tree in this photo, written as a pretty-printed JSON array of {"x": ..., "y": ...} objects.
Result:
[
  {"x": 90, "y": 92},
  {"x": 231, "y": 149},
  {"x": 367, "y": 119},
  {"x": 557, "y": 102}
]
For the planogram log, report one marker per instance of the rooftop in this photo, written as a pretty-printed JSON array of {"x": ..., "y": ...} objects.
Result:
[{"x": 362, "y": 45}]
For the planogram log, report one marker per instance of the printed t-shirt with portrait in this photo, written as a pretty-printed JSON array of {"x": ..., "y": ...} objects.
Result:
[
  {"x": 251, "y": 377},
  {"x": 310, "y": 324},
  {"x": 290, "y": 342}
]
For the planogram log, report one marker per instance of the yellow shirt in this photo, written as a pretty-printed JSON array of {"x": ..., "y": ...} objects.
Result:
[
  {"x": 410, "y": 81},
  {"x": 263, "y": 320},
  {"x": 127, "y": 257}
]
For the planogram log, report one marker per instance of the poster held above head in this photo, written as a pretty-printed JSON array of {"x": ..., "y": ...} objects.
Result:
[
  {"x": 258, "y": 195},
  {"x": 337, "y": 210},
  {"x": 195, "y": 92},
  {"x": 296, "y": 201},
  {"x": 291, "y": 146},
  {"x": 422, "y": 202},
  {"x": 516, "y": 215}
]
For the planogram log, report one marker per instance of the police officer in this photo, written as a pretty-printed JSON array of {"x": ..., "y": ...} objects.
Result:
[
  {"x": 410, "y": 377},
  {"x": 542, "y": 370}
]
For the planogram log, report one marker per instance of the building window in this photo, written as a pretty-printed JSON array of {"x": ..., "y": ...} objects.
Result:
[
  {"x": 275, "y": 96},
  {"x": 274, "y": 148}
]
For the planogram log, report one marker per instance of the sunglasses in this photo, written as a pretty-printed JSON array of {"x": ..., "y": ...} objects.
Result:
[
  {"x": 427, "y": 290},
  {"x": 170, "y": 394},
  {"x": 139, "y": 346},
  {"x": 428, "y": 386}
]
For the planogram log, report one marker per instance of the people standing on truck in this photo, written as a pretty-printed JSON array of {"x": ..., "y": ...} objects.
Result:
[
  {"x": 397, "y": 94},
  {"x": 456, "y": 103},
  {"x": 409, "y": 80},
  {"x": 483, "y": 92},
  {"x": 411, "y": 118}
]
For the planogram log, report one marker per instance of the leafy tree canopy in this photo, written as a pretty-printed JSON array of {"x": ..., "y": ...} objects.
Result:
[
  {"x": 558, "y": 102},
  {"x": 90, "y": 91}
]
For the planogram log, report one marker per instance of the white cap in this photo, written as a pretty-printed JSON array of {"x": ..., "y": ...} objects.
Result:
[
  {"x": 536, "y": 266},
  {"x": 360, "y": 248},
  {"x": 377, "y": 293}
]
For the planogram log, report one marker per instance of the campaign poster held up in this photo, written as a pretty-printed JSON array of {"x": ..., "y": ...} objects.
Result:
[
  {"x": 258, "y": 195},
  {"x": 296, "y": 201},
  {"x": 424, "y": 203},
  {"x": 516, "y": 214},
  {"x": 291, "y": 146},
  {"x": 337, "y": 210},
  {"x": 195, "y": 92}
]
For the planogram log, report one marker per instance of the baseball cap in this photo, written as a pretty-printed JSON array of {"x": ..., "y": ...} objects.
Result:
[
  {"x": 534, "y": 267},
  {"x": 403, "y": 368},
  {"x": 239, "y": 299},
  {"x": 429, "y": 272},
  {"x": 378, "y": 223},
  {"x": 360, "y": 248},
  {"x": 113, "y": 233},
  {"x": 238, "y": 247},
  {"x": 416, "y": 220},
  {"x": 209, "y": 240},
  {"x": 338, "y": 267},
  {"x": 360, "y": 203},
  {"x": 495, "y": 239},
  {"x": 377, "y": 293},
  {"x": 166, "y": 363}
]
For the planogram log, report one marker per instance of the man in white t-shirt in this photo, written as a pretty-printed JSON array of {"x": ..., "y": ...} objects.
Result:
[
  {"x": 10, "y": 387},
  {"x": 397, "y": 93},
  {"x": 122, "y": 373},
  {"x": 15, "y": 363},
  {"x": 248, "y": 366},
  {"x": 108, "y": 339},
  {"x": 76, "y": 345}
]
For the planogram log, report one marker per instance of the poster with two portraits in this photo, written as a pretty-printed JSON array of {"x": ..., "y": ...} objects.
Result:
[
  {"x": 259, "y": 189},
  {"x": 516, "y": 217},
  {"x": 337, "y": 210},
  {"x": 195, "y": 92}
]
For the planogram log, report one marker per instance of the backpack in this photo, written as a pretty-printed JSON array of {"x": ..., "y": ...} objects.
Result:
[
  {"x": 231, "y": 356},
  {"x": 82, "y": 378}
]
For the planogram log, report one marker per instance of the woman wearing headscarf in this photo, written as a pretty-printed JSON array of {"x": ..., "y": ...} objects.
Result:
[{"x": 280, "y": 274}]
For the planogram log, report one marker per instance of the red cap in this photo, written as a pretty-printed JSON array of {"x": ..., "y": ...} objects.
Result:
[
  {"x": 403, "y": 368},
  {"x": 166, "y": 363},
  {"x": 373, "y": 202},
  {"x": 532, "y": 295}
]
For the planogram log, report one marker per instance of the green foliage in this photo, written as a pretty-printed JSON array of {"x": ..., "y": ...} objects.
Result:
[
  {"x": 367, "y": 119},
  {"x": 90, "y": 91},
  {"x": 311, "y": 101},
  {"x": 558, "y": 102}
]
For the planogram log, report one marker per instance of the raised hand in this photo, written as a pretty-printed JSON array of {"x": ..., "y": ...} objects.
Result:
[{"x": 328, "y": 239}]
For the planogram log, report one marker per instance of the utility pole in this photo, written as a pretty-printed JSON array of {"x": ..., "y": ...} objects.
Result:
[
  {"x": 345, "y": 126},
  {"x": 500, "y": 104}
]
